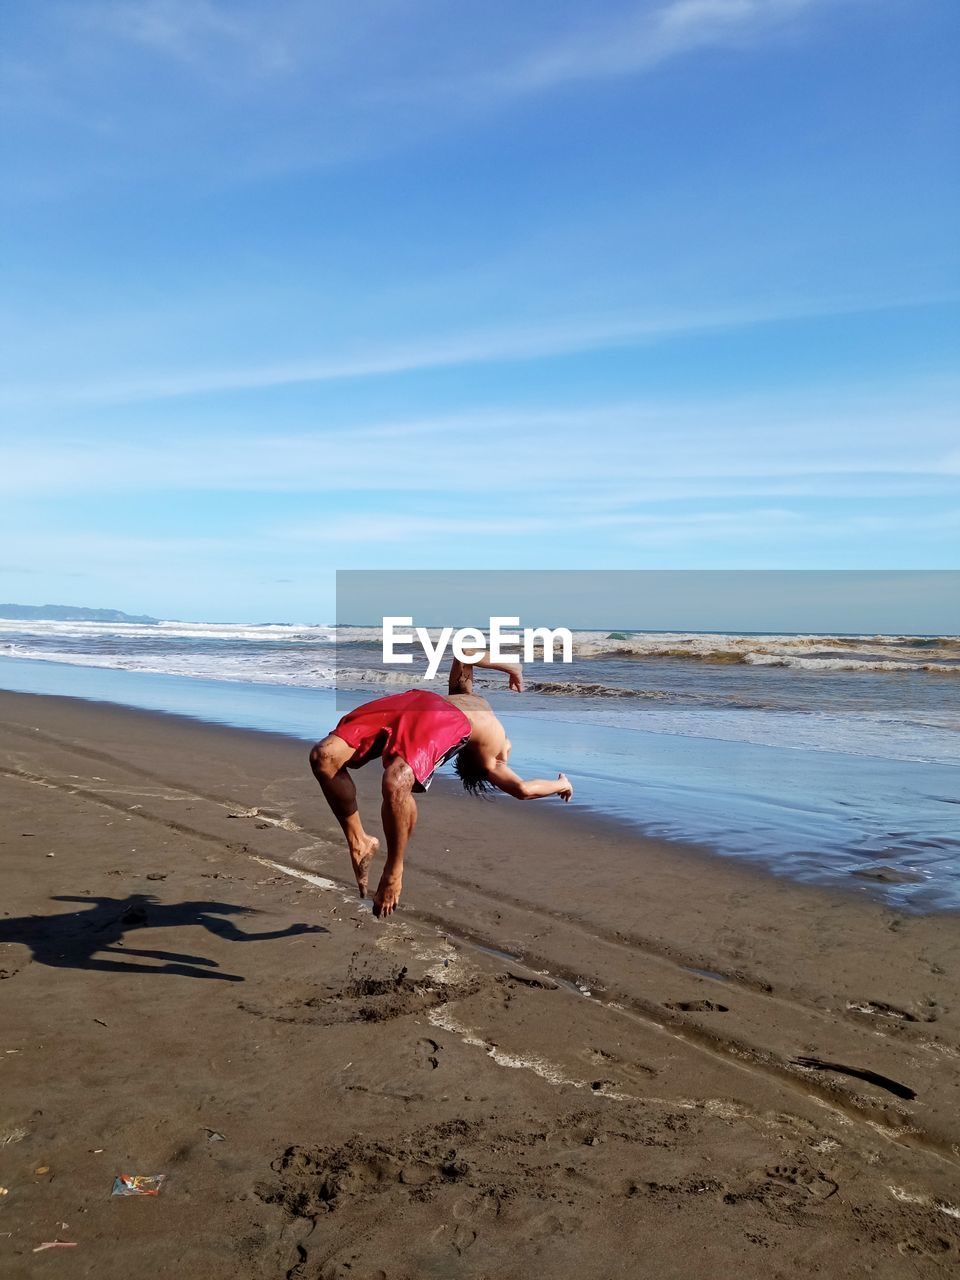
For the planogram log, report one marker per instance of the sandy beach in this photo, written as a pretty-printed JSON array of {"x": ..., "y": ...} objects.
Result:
[{"x": 573, "y": 1053}]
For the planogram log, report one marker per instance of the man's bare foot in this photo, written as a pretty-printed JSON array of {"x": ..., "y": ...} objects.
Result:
[
  {"x": 387, "y": 897},
  {"x": 361, "y": 859}
]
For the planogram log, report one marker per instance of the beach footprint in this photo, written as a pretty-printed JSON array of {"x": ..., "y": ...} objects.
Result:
[
  {"x": 931, "y": 1247},
  {"x": 426, "y": 1054},
  {"x": 463, "y": 1237},
  {"x": 925, "y": 1010},
  {"x": 803, "y": 1178},
  {"x": 629, "y": 1070},
  {"x": 346, "y": 1268}
]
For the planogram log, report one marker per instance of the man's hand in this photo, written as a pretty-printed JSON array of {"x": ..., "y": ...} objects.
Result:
[
  {"x": 503, "y": 778},
  {"x": 512, "y": 670},
  {"x": 461, "y": 674}
]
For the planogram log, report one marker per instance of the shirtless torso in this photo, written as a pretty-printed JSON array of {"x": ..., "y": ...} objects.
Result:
[
  {"x": 489, "y": 743},
  {"x": 482, "y": 762},
  {"x": 487, "y": 733}
]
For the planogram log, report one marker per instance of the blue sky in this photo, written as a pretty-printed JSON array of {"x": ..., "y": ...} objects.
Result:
[{"x": 306, "y": 286}]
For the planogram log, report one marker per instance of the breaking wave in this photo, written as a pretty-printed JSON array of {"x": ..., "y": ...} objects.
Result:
[
  {"x": 847, "y": 664},
  {"x": 939, "y": 654},
  {"x": 576, "y": 689},
  {"x": 278, "y": 632},
  {"x": 249, "y": 668}
]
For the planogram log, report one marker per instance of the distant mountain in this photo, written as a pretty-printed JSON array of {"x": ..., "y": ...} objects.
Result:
[{"x": 68, "y": 613}]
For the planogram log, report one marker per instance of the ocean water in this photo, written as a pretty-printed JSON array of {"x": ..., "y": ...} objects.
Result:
[{"x": 831, "y": 759}]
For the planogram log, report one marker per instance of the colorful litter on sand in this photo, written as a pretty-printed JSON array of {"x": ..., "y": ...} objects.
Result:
[{"x": 138, "y": 1184}]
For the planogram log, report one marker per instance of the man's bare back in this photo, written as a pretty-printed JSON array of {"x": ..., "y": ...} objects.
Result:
[{"x": 487, "y": 731}]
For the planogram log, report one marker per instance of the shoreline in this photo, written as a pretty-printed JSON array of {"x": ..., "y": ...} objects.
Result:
[
  {"x": 573, "y": 1036},
  {"x": 792, "y": 820},
  {"x": 446, "y": 795}
]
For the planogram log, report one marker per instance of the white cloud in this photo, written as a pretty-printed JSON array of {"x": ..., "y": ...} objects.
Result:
[
  {"x": 762, "y": 530},
  {"x": 312, "y": 84},
  {"x": 634, "y": 42},
  {"x": 293, "y": 36},
  {"x": 502, "y": 345},
  {"x": 610, "y": 456},
  {"x": 197, "y": 33},
  {"x": 642, "y": 526}
]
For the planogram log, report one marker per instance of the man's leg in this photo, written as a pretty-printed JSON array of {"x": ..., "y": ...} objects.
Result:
[
  {"x": 399, "y": 815},
  {"x": 328, "y": 761}
]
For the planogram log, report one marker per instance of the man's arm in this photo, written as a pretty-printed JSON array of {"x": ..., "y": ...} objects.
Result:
[
  {"x": 503, "y": 777},
  {"x": 461, "y": 674}
]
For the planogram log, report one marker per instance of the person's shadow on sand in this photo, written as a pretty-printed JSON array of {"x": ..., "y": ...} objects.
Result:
[{"x": 76, "y": 939}]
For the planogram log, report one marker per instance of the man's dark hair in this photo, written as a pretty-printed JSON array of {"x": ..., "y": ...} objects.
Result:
[{"x": 468, "y": 767}]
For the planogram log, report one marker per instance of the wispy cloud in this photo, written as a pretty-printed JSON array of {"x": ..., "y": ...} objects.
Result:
[
  {"x": 634, "y": 42},
  {"x": 634, "y": 39},
  {"x": 598, "y": 456},
  {"x": 387, "y": 530},
  {"x": 197, "y": 33},
  {"x": 172, "y": 26},
  {"x": 474, "y": 537},
  {"x": 508, "y": 344},
  {"x": 321, "y": 84},
  {"x": 626, "y": 528},
  {"x": 596, "y": 45}
]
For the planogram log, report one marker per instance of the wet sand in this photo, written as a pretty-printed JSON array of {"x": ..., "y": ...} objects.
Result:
[{"x": 573, "y": 1053}]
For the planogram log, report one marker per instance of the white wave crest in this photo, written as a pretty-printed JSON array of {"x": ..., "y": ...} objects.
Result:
[
  {"x": 846, "y": 664},
  {"x": 406, "y": 679},
  {"x": 266, "y": 632},
  {"x": 807, "y": 652},
  {"x": 249, "y": 669}
]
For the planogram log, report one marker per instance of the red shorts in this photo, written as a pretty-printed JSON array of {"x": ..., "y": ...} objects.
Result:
[{"x": 420, "y": 727}]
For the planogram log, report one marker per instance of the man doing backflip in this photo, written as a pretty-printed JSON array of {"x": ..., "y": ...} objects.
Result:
[{"x": 414, "y": 733}]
